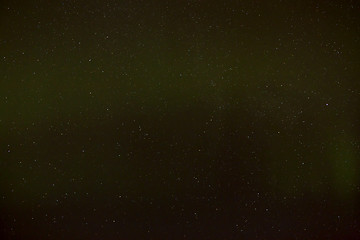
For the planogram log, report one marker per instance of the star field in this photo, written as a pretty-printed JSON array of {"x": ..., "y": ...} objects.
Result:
[{"x": 180, "y": 119}]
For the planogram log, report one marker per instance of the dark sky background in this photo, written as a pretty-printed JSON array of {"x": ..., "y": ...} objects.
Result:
[{"x": 180, "y": 119}]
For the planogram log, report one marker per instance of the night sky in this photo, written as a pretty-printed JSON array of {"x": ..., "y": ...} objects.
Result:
[{"x": 180, "y": 119}]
